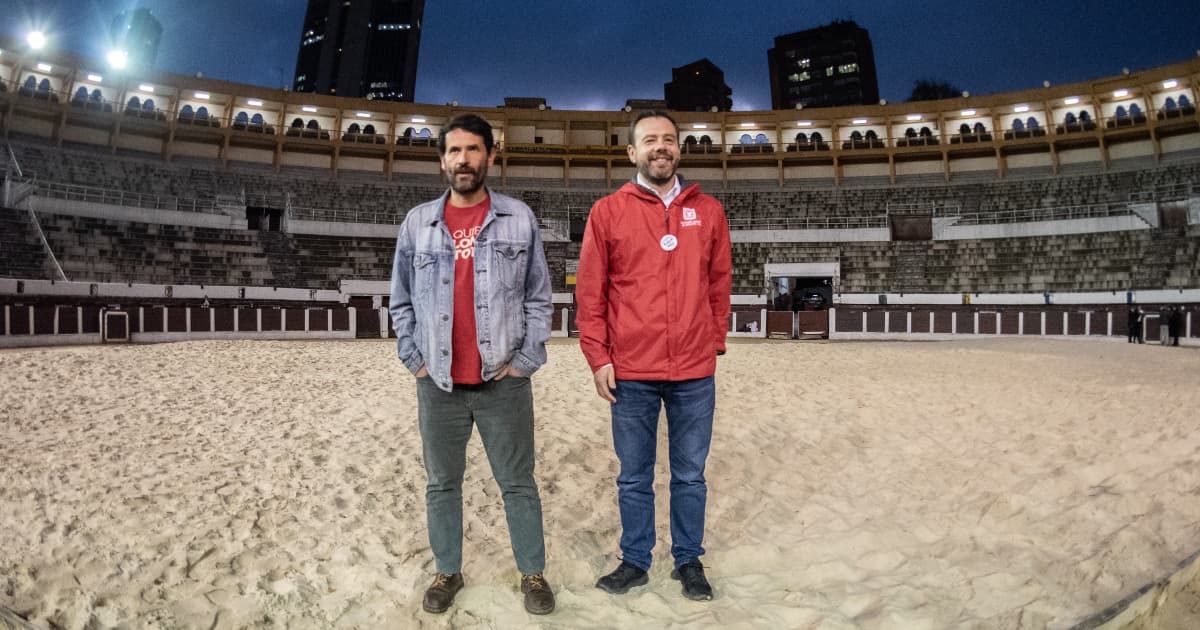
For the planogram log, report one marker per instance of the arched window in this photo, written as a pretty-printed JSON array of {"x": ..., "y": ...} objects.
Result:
[
  {"x": 801, "y": 138},
  {"x": 910, "y": 133},
  {"x": 187, "y": 112},
  {"x": 746, "y": 139},
  {"x": 257, "y": 119},
  {"x": 871, "y": 135},
  {"x": 1069, "y": 119},
  {"x": 148, "y": 105},
  {"x": 1084, "y": 116},
  {"x": 979, "y": 128},
  {"x": 926, "y": 133},
  {"x": 856, "y": 135},
  {"x": 44, "y": 86},
  {"x": 81, "y": 95},
  {"x": 202, "y": 113},
  {"x": 1134, "y": 110},
  {"x": 1031, "y": 123},
  {"x": 690, "y": 140},
  {"x": 705, "y": 140},
  {"x": 30, "y": 83},
  {"x": 408, "y": 133},
  {"x": 96, "y": 96},
  {"x": 424, "y": 133},
  {"x": 761, "y": 139},
  {"x": 242, "y": 118},
  {"x": 1121, "y": 113},
  {"x": 1169, "y": 104},
  {"x": 1183, "y": 101},
  {"x": 964, "y": 129},
  {"x": 354, "y": 128},
  {"x": 369, "y": 130},
  {"x": 297, "y": 123},
  {"x": 816, "y": 137},
  {"x": 313, "y": 124},
  {"x": 134, "y": 103}
]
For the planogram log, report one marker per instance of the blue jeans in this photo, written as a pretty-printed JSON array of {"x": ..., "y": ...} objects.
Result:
[
  {"x": 503, "y": 411},
  {"x": 689, "y": 407}
]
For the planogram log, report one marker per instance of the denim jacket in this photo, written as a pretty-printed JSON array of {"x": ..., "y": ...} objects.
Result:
[{"x": 512, "y": 290}]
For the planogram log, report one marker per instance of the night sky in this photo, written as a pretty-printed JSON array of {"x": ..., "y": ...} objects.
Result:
[{"x": 595, "y": 54}]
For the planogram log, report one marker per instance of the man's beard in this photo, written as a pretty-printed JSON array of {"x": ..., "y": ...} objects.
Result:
[
  {"x": 468, "y": 185},
  {"x": 644, "y": 170}
]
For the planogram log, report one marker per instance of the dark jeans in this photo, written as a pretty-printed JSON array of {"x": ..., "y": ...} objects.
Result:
[
  {"x": 689, "y": 406},
  {"x": 503, "y": 411}
]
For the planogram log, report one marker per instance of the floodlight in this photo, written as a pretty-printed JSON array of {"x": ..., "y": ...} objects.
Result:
[
  {"x": 967, "y": 112},
  {"x": 254, "y": 103},
  {"x": 36, "y": 40},
  {"x": 859, "y": 121},
  {"x": 44, "y": 67},
  {"x": 912, "y": 117},
  {"x": 309, "y": 108},
  {"x": 699, "y": 126},
  {"x": 1074, "y": 100},
  {"x": 1021, "y": 109},
  {"x": 95, "y": 77},
  {"x": 1170, "y": 83},
  {"x": 117, "y": 58}
]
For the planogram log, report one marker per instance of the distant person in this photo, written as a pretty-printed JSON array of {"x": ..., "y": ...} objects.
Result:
[
  {"x": 471, "y": 307},
  {"x": 1136, "y": 321},
  {"x": 1174, "y": 324},
  {"x": 1133, "y": 323},
  {"x": 655, "y": 274}
]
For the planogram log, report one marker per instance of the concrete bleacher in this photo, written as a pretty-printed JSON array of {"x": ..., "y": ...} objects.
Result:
[
  {"x": 21, "y": 251},
  {"x": 1100, "y": 261}
]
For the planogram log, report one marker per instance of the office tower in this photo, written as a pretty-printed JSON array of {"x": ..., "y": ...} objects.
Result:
[
  {"x": 823, "y": 67},
  {"x": 698, "y": 87},
  {"x": 360, "y": 48}
]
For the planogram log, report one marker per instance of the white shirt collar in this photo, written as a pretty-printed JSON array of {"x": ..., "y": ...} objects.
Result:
[{"x": 667, "y": 198}]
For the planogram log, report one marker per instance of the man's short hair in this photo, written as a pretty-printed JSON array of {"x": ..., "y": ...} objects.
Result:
[
  {"x": 470, "y": 123},
  {"x": 650, "y": 113}
]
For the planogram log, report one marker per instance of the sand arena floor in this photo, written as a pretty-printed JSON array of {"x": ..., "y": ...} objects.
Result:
[{"x": 975, "y": 484}]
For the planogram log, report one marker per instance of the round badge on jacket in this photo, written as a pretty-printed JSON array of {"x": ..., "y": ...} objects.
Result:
[{"x": 668, "y": 242}]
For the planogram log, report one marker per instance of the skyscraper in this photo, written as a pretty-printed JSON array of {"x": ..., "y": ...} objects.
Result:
[
  {"x": 698, "y": 87},
  {"x": 137, "y": 33},
  {"x": 360, "y": 48},
  {"x": 823, "y": 67}
]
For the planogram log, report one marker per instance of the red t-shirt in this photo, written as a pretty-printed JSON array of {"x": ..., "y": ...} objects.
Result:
[{"x": 464, "y": 225}]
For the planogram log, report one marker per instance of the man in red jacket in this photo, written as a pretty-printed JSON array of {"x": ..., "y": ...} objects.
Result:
[{"x": 652, "y": 291}]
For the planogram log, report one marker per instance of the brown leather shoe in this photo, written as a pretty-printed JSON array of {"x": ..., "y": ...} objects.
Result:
[
  {"x": 539, "y": 599},
  {"x": 440, "y": 594}
]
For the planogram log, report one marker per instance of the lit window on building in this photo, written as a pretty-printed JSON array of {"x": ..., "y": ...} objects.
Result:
[
  {"x": 829, "y": 71},
  {"x": 312, "y": 40},
  {"x": 847, "y": 68},
  {"x": 804, "y": 63},
  {"x": 799, "y": 76},
  {"x": 395, "y": 27}
]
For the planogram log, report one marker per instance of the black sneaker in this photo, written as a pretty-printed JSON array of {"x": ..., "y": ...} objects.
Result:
[
  {"x": 695, "y": 586},
  {"x": 622, "y": 579}
]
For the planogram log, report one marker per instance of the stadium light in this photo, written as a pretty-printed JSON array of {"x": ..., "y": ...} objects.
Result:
[
  {"x": 1120, "y": 93},
  {"x": 254, "y": 103},
  {"x": 967, "y": 112},
  {"x": 44, "y": 67},
  {"x": 912, "y": 117},
  {"x": 1074, "y": 100},
  {"x": 699, "y": 126},
  {"x": 747, "y": 124},
  {"x": 36, "y": 40},
  {"x": 804, "y": 123},
  {"x": 204, "y": 96},
  {"x": 859, "y": 121},
  {"x": 146, "y": 87},
  {"x": 363, "y": 114},
  {"x": 418, "y": 119},
  {"x": 117, "y": 58},
  {"x": 309, "y": 108},
  {"x": 1021, "y": 109},
  {"x": 1170, "y": 83}
]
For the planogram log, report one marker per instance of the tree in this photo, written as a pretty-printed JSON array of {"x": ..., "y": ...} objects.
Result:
[{"x": 932, "y": 90}]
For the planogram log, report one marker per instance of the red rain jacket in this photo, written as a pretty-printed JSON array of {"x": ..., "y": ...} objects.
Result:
[{"x": 654, "y": 314}]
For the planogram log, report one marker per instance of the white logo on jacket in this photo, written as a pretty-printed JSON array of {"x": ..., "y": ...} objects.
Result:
[{"x": 689, "y": 218}]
